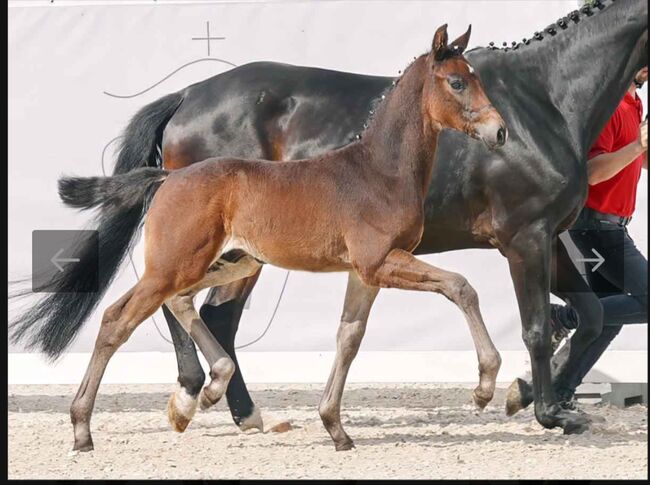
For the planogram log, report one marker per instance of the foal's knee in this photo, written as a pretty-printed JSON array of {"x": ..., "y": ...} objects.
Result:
[{"x": 461, "y": 292}]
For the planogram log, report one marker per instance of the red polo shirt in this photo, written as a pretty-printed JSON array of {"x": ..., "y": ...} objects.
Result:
[{"x": 617, "y": 195}]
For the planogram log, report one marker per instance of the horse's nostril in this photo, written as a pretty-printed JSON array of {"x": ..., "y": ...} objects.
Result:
[{"x": 501, "y": 136}]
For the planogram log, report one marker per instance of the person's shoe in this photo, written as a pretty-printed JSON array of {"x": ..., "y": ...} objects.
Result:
[
  {"x": 570, "y": 405},
  {"x": 567, "y": 400},
  {"x": 559, "y": 331}
]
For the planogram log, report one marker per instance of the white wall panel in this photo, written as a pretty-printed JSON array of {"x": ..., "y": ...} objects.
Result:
[{"x": 64, "y": 57}]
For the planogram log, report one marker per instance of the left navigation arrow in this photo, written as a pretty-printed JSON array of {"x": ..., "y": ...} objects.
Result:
[{"x": 57, "y": 259}]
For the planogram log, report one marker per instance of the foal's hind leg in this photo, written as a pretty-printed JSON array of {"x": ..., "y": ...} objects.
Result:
[
  {"x": 222, "y": 366},
  {"x": 400, "y": 269},
  {"x": 358, "y": 302},
  {"x": 118, "y": 322}
]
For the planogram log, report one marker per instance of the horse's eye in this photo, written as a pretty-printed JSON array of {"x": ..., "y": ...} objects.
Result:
[{"x": 457, "y": 85}]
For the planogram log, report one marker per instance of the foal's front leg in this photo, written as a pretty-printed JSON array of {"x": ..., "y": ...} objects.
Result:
[
  {"x": 400, "y": 269},
  {"x": 358, "y": 302}
]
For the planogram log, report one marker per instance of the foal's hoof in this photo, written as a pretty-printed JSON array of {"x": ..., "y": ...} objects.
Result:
[
  {"x": 576, "y": 428},
  {"x": 221, "y": 372},
  {"x": 207, "y": 399},
  {"x": 180, "y": 409},
  {"x": 516, "y": 397},
  {"x": 344, "y": 446},
  {"x": 82, "y": 447},
  {"x": 481, "y": 399}
]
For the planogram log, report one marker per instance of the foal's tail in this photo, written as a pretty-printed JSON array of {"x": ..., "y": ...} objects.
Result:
[{"x": 52, "y": 324}]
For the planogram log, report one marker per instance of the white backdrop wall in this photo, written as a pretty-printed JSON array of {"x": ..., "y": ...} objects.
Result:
[{"x": 65, "y": 57}]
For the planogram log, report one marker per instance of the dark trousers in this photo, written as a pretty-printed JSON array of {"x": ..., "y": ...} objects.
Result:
[{"x": 621, "y": 284}]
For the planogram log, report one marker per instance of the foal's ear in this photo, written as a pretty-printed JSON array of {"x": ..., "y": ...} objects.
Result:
[
  {"x": 439, "y": 45},
  {"x": 460, "y": 44}
]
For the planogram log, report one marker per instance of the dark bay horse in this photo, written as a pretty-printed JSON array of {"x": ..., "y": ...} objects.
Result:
[
  {"x": 358, "y": 209},
  {"x": 555, "y": 91}
]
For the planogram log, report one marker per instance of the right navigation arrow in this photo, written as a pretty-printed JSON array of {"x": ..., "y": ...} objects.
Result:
[{"x": 599, "y": 260}]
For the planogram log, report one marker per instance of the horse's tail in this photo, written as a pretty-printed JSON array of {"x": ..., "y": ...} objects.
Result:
[
  {"x": 55, "y": 320},
  {"x": 143, "y": 134}
]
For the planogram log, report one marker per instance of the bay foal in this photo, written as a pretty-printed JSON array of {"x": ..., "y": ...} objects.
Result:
[{"x": 357, "y": 209}]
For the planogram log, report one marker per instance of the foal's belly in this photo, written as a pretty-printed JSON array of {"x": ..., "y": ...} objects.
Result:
[{"x": 294, "y": 253}]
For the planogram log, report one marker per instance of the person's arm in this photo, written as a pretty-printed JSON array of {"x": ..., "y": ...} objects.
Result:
[{"x": 604, "y": 166}]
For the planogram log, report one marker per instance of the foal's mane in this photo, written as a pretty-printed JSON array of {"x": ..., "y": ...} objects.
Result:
[{"x": 376, "y": 103}]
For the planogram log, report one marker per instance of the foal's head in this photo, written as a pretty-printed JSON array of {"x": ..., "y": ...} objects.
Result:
[{"x": 453, "y": 96}]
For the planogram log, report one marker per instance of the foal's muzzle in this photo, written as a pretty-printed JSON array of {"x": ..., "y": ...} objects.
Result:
[{"x": 493, "y": 132}]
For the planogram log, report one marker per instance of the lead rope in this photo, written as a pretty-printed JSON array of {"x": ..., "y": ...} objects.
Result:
[{"x": 275, "y": 310}]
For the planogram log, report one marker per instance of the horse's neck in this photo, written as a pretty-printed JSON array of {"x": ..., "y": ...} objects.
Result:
[
  {"x": 398, "y": 140},
  {"x": 573, "y": 81}
]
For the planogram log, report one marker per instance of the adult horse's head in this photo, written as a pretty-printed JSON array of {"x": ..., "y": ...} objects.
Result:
[{"x": 453, "y": 96}]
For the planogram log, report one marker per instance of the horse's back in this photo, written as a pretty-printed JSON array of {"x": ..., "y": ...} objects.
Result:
[{"x": 269, "y": 110}]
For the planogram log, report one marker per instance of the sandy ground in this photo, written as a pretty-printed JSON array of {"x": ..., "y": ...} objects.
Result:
[{"x": 401, "y": 431}]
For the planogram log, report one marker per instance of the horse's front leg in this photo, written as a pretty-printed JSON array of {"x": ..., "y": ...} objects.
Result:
[
  {"x": 529, "y": 258},
  {"x": 400, "y": 269},
  {"x": 358, "y": 302},
  {"x": 568, "y": 284},
  {"x": 221, "y": 312},
  {"x": 182, "y": 403}
]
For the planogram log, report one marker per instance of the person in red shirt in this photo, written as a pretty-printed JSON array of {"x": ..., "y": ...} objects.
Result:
[{"x": 621, "y": 281}]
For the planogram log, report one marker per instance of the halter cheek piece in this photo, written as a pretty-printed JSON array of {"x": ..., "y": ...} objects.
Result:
[{"x": 469, "y": 113}]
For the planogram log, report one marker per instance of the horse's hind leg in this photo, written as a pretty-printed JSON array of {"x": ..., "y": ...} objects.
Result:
[
  {"x": 358, "y": 302},
  {"x": 191, "y": 377},
  {"x": 221, "y": 312},
  {"x": 118, "y": 322},
  {"x": 400, "y": 269}
]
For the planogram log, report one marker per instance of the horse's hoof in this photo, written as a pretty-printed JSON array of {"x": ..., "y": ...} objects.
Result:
[
  {"x": 266, "y": 424},
  {"x": 514, "y": 397},
  {"x": 344, "y": 446},
  {"x": 252, "y": 421},
  {"x": 576, "y": 428},
  {"x": 181, "y": 408}
]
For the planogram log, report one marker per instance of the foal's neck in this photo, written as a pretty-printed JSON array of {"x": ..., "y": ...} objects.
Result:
[{"x": 400, "y": 141}]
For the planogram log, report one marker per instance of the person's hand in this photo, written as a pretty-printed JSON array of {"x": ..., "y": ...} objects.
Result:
[{"x": 643, "y": 135}]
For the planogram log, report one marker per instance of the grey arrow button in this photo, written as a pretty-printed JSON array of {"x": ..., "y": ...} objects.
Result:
[
  {"x": 56, "y": 259},
  {"x": 65, "y": 261},
  {"x": 599, "y": 260}
]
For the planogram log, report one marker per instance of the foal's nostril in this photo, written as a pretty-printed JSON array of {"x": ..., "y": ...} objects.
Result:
[{"x": 501, "y": 136}]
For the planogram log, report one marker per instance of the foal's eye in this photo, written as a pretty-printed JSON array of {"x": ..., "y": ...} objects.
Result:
[{"x": 457, "y": 85}]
